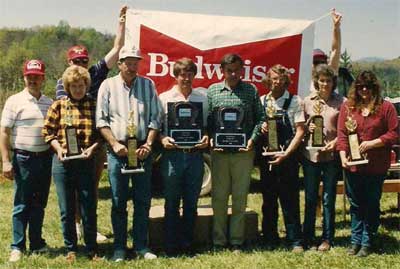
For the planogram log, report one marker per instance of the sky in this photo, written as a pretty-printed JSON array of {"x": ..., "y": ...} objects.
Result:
[{"x": 370, "y": 28}]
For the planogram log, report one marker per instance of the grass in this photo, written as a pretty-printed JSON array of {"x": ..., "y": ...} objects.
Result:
[{"x": 255, "y": 257}]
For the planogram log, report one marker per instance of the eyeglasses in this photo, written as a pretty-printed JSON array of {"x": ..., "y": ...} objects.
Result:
[
  {"x": 80, "y": 61},
  {"x": 368, "y": 86}
]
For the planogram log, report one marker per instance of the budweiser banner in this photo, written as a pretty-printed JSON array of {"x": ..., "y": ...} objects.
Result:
[{"x": 164, "y": 37}]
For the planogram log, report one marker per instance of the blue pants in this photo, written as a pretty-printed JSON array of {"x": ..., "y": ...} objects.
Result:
[
  {"x": 141, "y": 183},
  {"x": 364, "y": 193},
  {"x": 329, "y": 172},
  {"x": 31, "y": 185},
  {"x": 281, "y": 182},
  {"x": 183, "y": 176},
  {"x": 76, "y": 177}
]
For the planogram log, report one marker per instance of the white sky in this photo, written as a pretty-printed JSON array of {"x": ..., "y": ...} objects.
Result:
[{"x": 370, "y": 28}]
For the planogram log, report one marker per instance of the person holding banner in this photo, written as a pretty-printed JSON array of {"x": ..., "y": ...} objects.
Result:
[
  {"x": 367, "y": 128},
  {"x": 128, "y": 110},
  {"x": 78, "y": 55},
  {"x": 320, "y": 159},
  {"x": 22, "y": 121},
  {"x": 182, "y": 165},
  {"x": 233, "y": 105},
  {"x": 70, "y": 130},
  {"x": 280, "y": 171}
]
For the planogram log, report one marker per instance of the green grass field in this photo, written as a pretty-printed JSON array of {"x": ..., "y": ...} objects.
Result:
[{"x": 255, "y": 257}]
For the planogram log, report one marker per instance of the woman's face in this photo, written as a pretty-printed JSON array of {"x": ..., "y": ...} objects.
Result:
[
  {"x": 77, "y": 89},
  {"x": 365, "y": 91},
  {"x": 325, "y": 84}
]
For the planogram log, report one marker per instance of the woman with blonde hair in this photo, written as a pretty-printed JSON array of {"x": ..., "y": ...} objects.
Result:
[{"x": 374, "y": 121}]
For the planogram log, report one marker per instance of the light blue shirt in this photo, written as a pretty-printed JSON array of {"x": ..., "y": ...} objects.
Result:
[{"x": 115, "y": 100}]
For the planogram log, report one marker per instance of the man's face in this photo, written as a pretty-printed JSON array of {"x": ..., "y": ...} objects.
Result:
[
  {"x": 232, "y": 73},
  {"x": 78, "y": 89},
  {"x": 83, "y": 62},
  {"x": 129, "y": 67},
  {"x": 34, "y": 82},
  {"x": 185, "y": 79},
  {"x": 277, "y": 82}
]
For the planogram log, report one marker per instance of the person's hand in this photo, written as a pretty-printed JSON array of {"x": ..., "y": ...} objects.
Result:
[
  {"x": 143, "y": 152},
  {"x": 311, "y": 127},
  {"x": 8, "y": 171},
  {"x": 264, "y": 128},
  {"x": 344, "y": 161},
  {"x": 122, "y": 14},
  {"x": 60, "y": 154},
  {"x": 119, "y": 149},
  {"x": 212, "y": 146},
  {"x": 250, "y": 146},
  {"x": 168, "y": 142},
  {"x": 365, "y": 146},
  {"x": 88, "y": 153},
  {"x": 336, "y": 18},
  {"x": 330, "y": 146},
  {"x": 203, "y": 143},
  {"x": 278, "y": 159}
]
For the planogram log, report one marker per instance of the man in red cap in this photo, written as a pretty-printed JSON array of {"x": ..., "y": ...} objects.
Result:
[
  {"x": 22, "y": 121},
  {"x": 78, "y": 55}
]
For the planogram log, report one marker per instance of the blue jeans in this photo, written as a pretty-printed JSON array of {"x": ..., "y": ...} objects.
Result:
[
  {"x": 329, "y": 172},
  {"x": 31, "y": 186},
  {"x": 183, "y": 176},
  {"x": 364, "y": 193},
  {"x": 141, "y": 183},
  {"x": 76, "y": 177}
]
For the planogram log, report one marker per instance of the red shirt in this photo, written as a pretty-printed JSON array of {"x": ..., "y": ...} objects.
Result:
[{"x": 383, "y": 125}]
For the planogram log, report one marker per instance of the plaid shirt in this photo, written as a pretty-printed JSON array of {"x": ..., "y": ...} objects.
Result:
[
  {"x": 83, "y": 119},
  {"x": 244, "y": 96}
]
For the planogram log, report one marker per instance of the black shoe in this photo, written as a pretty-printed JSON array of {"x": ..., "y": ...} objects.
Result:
[
  {"x": 364, "y": 252},
  {"x": 218, "y": 248},
  {"x": 188, "y": 251},
  {"x": 353, "y": 249},
  {"x": 172, "y": 252},
  {"x": 236, "y": 248}
]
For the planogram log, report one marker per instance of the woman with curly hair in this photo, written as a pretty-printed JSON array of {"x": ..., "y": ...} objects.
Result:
[{"x": 375, "y": 122}]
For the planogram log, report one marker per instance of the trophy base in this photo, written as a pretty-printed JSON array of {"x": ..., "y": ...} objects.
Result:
[
  {"x": 314, "y": 148},
  {"x": 73, "y": 157},
  {"x": 184, "y": 146},
  {"x": 352, "y": 163},
  {"x": 132, "y": 171},
  {"x": 271, "y": 153}
]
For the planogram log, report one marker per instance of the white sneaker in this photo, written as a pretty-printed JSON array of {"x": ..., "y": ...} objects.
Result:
[
  {"x": 100, "y": 238},
  {"x": 15, "y": 255},
  {"x": 147, "y": 255}
]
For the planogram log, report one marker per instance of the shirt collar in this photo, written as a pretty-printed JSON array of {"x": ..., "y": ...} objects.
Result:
[
  {"x": 225, "y": 87},
  {"x": 30, "y": 97},
  {"x": 122, "y": 81},
  {"x": 285, "y": 95}
]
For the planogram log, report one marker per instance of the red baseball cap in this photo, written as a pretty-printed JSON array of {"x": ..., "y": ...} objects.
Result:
[
  {"x": 77, "y": 52},
  {"x": 34, "y": 67},
  {"x": 319, "y": 54}
]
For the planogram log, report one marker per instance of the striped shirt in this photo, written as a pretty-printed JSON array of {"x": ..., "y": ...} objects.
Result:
[
  {"x": 82, "y": 113},
  {"x": 174, "y": 95},
  {"x": 244, "y": 96},
  {"x": 25, "y": 115},
  {"x": 115, "y": 100}
]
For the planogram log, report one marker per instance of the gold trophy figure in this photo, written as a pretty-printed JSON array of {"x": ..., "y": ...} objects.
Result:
[
  {"x": 272, "y": 146},
  {"x": 317, "y": 137},
  {"x": 131, "y": 144},
  {"x": 354, "y": 144}
]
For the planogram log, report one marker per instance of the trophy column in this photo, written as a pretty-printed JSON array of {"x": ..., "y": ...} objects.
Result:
[
  {"x": 354, "y": 144},
  {"x": 272, "y": 146},
  {"x": 317, "y": 137},
  {"x": 73, "y": 151}
]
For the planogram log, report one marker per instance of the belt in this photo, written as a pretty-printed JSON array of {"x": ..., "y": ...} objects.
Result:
[
  {"x": 32, "y": 153},
  {"x": 186, "y": 150}
]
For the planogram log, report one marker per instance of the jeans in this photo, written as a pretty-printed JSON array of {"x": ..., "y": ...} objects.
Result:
[
  {"x": 231, "y": 174},
  {"x": 76, "y": 177},
  {"x": 281, "y": 182},
  {"x": 364, "y": 193},
  {"x": 31, "y": 186},
  {"x": 141, "y": 183},
  {"x": 329, "y": 172},
  {"x": 183, "y": 176}
]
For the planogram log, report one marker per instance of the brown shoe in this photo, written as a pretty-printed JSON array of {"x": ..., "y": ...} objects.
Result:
[
  {"x": 71, "y": 256},
  {"x": 325, "y": 246},
  {"x": 297, "y": 249}
]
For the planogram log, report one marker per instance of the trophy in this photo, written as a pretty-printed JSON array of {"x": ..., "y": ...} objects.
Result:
[
  {"x": 229, "y": 131},
  {"x": 355, "y": 155},
  {"x": 317, "y": 137},
  {"x": 185, "y": 123},
  {"x": 272, "y": 146},
  {"x": 73, "y": 150},
  {"x": 134, "y": 165}
]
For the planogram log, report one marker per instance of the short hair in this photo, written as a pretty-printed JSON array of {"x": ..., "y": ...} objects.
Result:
[
  {"x": 280, "y": 70},
  {"x": 325, "y": 70},
  {"x": 231, "y": 58},
  {"x": 75, "y": 73},
  {"x": 184, "y": 64},
  {"x": 366, "y": 77}
]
